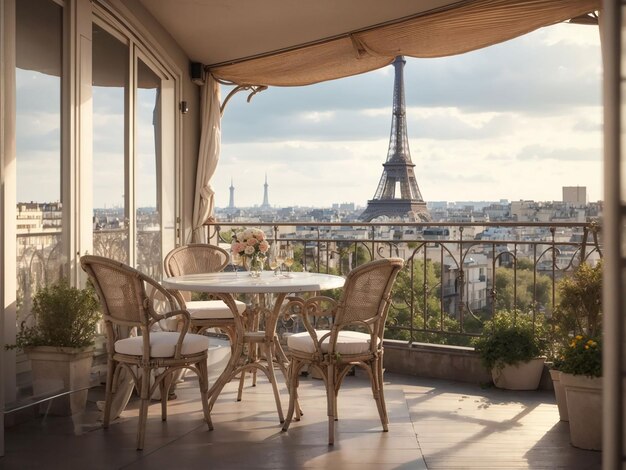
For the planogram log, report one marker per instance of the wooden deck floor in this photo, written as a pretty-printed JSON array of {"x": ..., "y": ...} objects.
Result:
[{"x": 434, "y": 425}]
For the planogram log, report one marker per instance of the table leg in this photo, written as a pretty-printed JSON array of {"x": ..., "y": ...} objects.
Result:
[
  {"x": 236, "y": 351},
  {"x": 240, "y": 362}
]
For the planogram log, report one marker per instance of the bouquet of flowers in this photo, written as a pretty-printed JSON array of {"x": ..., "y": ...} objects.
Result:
[{"x": 250, "y": 243}]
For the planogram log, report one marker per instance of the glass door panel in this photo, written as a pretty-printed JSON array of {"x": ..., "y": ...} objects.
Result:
[
  {"x": 110, "y": 103},
  {"x": 40, "y": 255},
  {"x": 148, "y": 170}
]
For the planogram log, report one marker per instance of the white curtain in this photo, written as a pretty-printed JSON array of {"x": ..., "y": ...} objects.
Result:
[{"x": 208, "y": 156}]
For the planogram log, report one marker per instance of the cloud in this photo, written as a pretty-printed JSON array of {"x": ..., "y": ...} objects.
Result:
[
  {"x": 543, "y": 74},
  {"x": 587, "y": 125},
  {"x": 541, "y": 152}
]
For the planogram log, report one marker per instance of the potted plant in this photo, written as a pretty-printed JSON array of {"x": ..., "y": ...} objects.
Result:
[
  {"x": 59, "y": 343},
  {"x": 511, "y": 347},
  {"x": 578, "y": 322}
]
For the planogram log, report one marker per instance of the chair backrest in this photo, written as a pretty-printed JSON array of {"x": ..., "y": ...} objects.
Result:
[
  {"x": 195, "y": 259},
  {"x": 122, "y": 292},
  {"x": 366, "y": 295}
]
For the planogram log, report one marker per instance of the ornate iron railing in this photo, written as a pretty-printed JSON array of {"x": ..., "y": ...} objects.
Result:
[
  {"x": 451, "y": 282},
  {"x": 41, "y": 258},
  {"x": 455, "y": 276}
]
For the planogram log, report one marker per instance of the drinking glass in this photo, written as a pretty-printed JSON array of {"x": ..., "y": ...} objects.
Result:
[
  {"x": 237, "y": 261},
  {"x": 280, "y": 258},
  {"x": 273, "y": 259},
  {"x": 288, "y": 259}
]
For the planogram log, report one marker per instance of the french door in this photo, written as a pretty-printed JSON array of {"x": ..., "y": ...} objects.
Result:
[{"x": 133, "y": 168}]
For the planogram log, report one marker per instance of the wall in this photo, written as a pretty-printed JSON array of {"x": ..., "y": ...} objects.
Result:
[{"x": 456, "y": 363}]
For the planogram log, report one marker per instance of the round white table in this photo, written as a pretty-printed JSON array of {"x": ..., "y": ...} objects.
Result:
[
  {"x": 225, "y": 285},
  {"x": 243, "y": 283}
]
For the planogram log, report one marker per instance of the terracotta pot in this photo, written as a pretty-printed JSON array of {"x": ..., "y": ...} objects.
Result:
[
  {"x": 559, "y": 393},
  {"x": 521, "y": 376},
  {"x": 584, "y": 407}
]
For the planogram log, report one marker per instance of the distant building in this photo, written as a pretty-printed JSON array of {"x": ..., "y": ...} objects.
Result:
[
  {"x": 231, "y": 203},
  {"x": 266, "y": 199},
  {"x": 398, "y": 195},
  {"x": 575, "y": 195},
  {"x": 344, "y": 207}
]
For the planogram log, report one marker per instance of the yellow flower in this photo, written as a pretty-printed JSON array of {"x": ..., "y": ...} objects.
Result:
[
  {"x": 579, "y": 337},
  {"x": 586, "y": 346},
  {"x": 572, "y": 344}
]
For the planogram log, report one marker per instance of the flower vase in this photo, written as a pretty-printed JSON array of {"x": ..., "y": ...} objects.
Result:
[{"x": 255, "y": 265}]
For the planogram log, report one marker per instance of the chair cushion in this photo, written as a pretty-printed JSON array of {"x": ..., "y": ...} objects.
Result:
[
  {"x": 209, "y": 309},
  {"x": 348, "y": 342},
  {"x": 162, "y": 344}
]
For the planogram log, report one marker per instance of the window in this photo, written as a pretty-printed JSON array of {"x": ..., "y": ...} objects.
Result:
[
  {"x": 40, "y": 255},
  {"x": 133, "y": 151}
]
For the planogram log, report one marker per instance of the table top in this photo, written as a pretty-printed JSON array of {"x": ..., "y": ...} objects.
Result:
[{"x": 242, "y": 282}]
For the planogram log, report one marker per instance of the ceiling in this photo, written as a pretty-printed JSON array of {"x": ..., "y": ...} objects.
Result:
[{"x": 222, "y": 31}]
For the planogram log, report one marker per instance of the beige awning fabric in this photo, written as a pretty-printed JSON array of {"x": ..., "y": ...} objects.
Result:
[{"x": 462, "y": 27}]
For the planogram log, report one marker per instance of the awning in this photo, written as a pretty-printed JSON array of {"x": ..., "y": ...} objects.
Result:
[{"x": 300, "y": 42}]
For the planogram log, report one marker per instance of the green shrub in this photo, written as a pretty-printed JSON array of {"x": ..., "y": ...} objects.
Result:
[
  {"x": 577, "y": 322},
  {"x": 579, "y": 309},
  {"x": 64, "y": 317},
  {"x": 583, "y": 356},
  {"x": 510, "y": 338}
]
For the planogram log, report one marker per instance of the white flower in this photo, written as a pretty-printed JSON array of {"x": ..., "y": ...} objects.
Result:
[{"x": 249, "y": 250}]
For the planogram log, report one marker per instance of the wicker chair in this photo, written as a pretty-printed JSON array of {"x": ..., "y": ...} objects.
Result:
[
  {"x": 129, "y": 299},
  {"x": 202, "y": 258},
  {"x": 334, "y": 350}
]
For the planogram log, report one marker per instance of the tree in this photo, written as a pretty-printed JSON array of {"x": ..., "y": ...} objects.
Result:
[
  {"x": 525, "y": 296},
  {"x": 409, "y": 294}
]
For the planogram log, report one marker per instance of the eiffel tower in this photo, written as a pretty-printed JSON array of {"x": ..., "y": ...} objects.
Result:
[{"x": 398, "y": 196}]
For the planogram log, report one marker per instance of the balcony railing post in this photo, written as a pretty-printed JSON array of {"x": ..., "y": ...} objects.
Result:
[
  {"x": 461, "y": 276},
  {"x": 515, "y": 272},
  {"x": 553, "y": 230}
]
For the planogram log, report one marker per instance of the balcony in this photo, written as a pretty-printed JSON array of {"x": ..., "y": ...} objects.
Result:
[
  {"x": 441, "y": 416},
  {"x": 434, "y": 424}
]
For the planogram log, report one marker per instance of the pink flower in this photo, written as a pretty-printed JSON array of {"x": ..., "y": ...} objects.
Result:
[
  {"x": 252, "y": 241},
  {"x": 249, "y": 250},
  {"x": 264, "y": 246}
]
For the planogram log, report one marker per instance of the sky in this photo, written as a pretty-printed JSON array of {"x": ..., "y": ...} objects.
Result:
[{"x": 517, "y": 120}]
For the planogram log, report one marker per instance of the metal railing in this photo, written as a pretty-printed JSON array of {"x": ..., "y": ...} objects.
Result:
[
  {"x": 41, "y": 258},
  {"x": 455, "y": 276}
]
